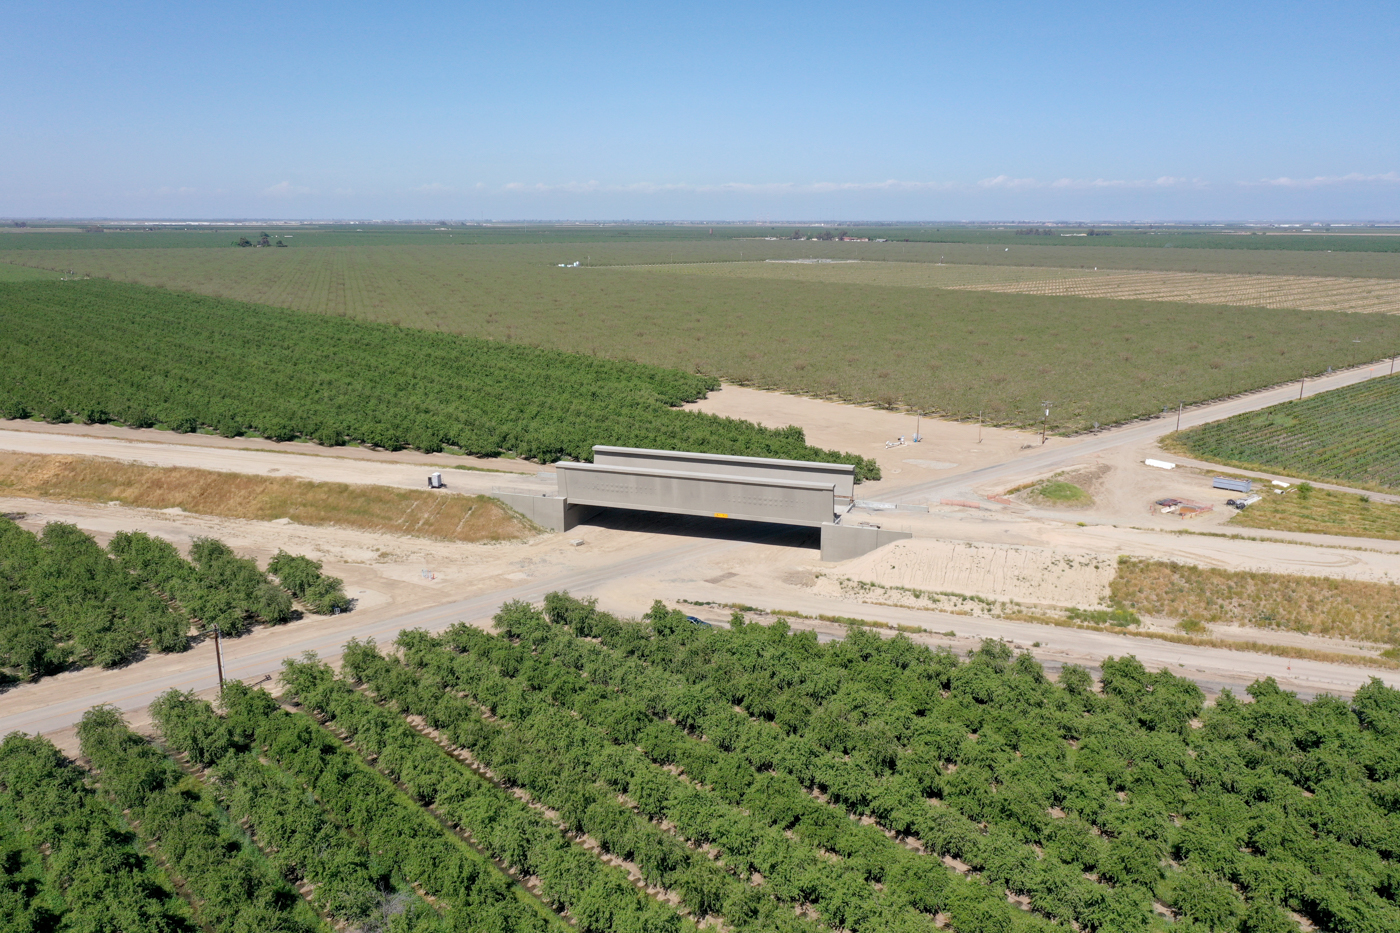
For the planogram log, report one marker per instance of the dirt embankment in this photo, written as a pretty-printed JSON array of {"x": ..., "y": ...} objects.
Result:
[
  {"x": 1033, "y": 575},
  {"x": 445, "y": 516}
]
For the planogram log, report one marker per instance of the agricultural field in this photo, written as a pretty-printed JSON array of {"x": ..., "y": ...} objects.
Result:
[
  {"x": 1324, "y": 512},
  {"x": 1066, "y": 241},
  {"x": 1258, "y": 291},
  {"x": 383, "y": 509},
  {"x": 575, "y": 770},
  {"x": 1349, "y": 436},
  {"x": 13, "y": 273},
  {"x": 66, "y": 603},
  {"x": 964, "y": 354},
  {"x": 773, "y": 782},
  {"x": 1307, "y": 293},
  {"x": 154, "y": 258},
  {"x": 71, "y": 861},
  {"x": 659, "y": 776},
  {"x": 84, "y": 350},
  {"x": 1350, "y": 239}
]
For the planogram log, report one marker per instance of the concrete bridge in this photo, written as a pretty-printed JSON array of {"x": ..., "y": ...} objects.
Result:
[{"x": 759, "y": 489}]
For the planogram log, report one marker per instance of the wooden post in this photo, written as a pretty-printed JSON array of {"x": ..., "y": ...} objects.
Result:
[{"x": 219, "y": 660}]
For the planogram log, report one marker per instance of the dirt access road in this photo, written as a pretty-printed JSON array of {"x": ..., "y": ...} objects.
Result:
[
  {"x": 627, "y": 566},
  {"x": 1136, "y": 435},
  {"x": 382, "y": 469},
  {"x": 628, "y": 560}
]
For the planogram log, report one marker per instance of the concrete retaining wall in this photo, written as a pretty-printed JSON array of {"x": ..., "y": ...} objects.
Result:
[
  {"x": 844, "y": 542},
  {"x": 553, "y": 512}
]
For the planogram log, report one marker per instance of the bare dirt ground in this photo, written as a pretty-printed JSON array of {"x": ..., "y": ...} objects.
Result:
[
  {"x": 627, "y": 560},
  {"x": 321, "y": 467},
  {"x": 440, "y": 461},
  {"x": 1320, "y": 293},
  {"x": 1033, "y": 575},
  {"x": 948, "y": 448}
]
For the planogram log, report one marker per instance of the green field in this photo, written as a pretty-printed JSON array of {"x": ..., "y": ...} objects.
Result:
[
  {"x": 573, "y": 770},
  {"x": 102, "y": 351},
  {"x": 960, "y": 353},
  {"x": 897, "y": 329},
  {"x": 1088, "y": 806},
  {"x": 1349, "y": 436},
  {"x": 90, "y": 252},
  {"x": 14, "y": 273},
  {"x": 101, "y": 235}
]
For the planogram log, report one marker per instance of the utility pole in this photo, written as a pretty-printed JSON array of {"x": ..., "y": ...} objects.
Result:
[
  {"x": 219, "y": 660},
  {"x": 918, "y": 420},
  {"x": 979, "y": 427},
  {"x": 1302, "y": 382},
  {"x": 1392, "y": 365},
  {"x": 1179, "y": 406},
  {"x": 1044, "y": 425}
]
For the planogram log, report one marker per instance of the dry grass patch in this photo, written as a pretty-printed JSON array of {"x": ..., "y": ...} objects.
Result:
[
  {"x": 1325, "y": 513},
  {"x": 1299, "y": 292},
  {"x": 445, "y": 516},
  {"x": 1303, "y": 293},
  {"x": 1353, "y": 609}
]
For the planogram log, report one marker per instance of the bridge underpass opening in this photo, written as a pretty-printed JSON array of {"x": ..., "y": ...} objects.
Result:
[{"x": 756, "y": 489}]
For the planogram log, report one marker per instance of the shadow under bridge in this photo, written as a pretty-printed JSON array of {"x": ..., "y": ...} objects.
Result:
[{"x": 713, "y": 486}]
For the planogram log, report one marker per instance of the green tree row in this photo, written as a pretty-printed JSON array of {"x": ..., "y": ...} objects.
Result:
[
  {"x": 65, "y": 602},
  {"x": 69, "y": 861},
  {"x": 214, "y": 587},
  {"x": 807, "y": 853},
  {"x": 475, "y": 894},
  {"x": 1228, "y": 815},
  {"x": 101, "y": 351},
  {"x": 352, "y": 882},
  {"x": 235, "y": 888},
  {"x": 598, "y": 896},
  {"x": 302, "y": 577}
]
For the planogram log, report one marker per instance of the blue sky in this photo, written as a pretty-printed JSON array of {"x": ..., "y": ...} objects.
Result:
[{"x": 892, "y": 111}]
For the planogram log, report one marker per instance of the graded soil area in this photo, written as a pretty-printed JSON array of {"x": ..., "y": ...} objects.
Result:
[
  {"x": 948, "y": 448},
  {"x": 969, "y": 539}
]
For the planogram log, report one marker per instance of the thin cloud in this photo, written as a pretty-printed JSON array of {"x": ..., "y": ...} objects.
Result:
[
  {"x": 1006, "y": 181},
  {"x": 1166, "y": 181},
  {"x": 1323, "y": 181},
  {"x": 435, "y": 188},
  {"x": 778, "y": 188},
  {"x": 285, "y": 189}
]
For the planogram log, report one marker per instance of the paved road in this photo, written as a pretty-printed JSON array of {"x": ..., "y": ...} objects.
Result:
[
  {"x": 960, "y": 484},
  {"x": 244, "y": 659}
]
